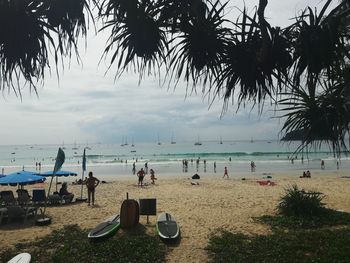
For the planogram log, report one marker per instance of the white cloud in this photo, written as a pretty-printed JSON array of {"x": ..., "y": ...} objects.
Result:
[{"x": 87, "y": 104}]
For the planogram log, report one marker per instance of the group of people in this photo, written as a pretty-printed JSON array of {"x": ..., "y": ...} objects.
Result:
[
  {"x": 141, "y": 175},
  {"x": 91, "y": 183},
  {"x": 306, "y": 174}
]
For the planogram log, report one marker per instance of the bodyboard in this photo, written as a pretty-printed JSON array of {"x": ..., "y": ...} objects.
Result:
[{"x": 129, "y": 213}]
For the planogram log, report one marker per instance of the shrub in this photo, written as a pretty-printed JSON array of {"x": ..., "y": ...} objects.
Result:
[{"x": 298, "y": 202}]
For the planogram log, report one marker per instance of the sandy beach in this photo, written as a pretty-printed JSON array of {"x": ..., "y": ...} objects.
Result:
[{"x": 200, "y": 209}]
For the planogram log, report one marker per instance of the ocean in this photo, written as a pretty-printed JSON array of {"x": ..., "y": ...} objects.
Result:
[{"x": 113, "y": 161}]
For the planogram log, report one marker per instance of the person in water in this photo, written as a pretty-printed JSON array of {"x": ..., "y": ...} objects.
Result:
[{"x": 91, "y": 184}]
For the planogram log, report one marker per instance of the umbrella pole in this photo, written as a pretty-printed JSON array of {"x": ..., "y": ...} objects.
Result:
[
  {"x": 48, "y": 194},
  {"x": 82, "y": 184},
  {"x": 56, "y": 182}
]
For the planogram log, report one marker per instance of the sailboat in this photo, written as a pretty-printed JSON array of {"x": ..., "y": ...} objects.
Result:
[
  {"x": 75, "y": 146},
  {"x": 132, "y": 144},
  {"x": 220, "y": 140},
  {"x": 159, "y": 143},
  {"x": 87, "y": 146},
  {"x": 63, "y": 146},
  {"x": 172, "y": 139},
  {"x": 198, "y": 142}
]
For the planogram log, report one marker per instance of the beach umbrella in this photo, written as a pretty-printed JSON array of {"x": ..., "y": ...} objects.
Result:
[
  {"x": 58, "y": 174},
  {"x": 21, "y": 178}
]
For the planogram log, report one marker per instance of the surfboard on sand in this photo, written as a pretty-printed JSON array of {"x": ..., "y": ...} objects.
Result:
[
  {"x": 106, "y": 229},
  {"x": 167, "y": 226},
  {"x": 21, "y": 258}
]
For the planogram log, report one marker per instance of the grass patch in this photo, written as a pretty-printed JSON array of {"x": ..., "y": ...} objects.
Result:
[
  {"x": 294, "y": 246},
  {"x": 328, "y": 218},
  {"x": 71, "y": 245}
]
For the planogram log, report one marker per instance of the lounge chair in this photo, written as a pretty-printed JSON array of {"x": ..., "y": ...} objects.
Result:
[
  {"x": 23, "y": 197},
  {"x": 38, "y": 197},
  {"x": 3, "y": 213},
  {"x": 17, "y": 211},
  {"x": 8, "y": 198},
  {"x": 55, "y": 199}
]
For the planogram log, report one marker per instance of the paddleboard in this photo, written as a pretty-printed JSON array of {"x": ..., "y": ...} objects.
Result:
[
  {"x": 21, "y": 258},
  {"x": 107, "y": 228},
  {"x": 167, "y": 226}
]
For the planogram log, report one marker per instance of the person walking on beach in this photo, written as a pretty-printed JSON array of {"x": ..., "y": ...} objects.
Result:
[
  {"x": 322, "y": 165},
  {"x": 152, "y": 176},
  {"x": 91, "y": 184},
  {"x": 141, "y": 175},
  {"x": 225, "y": 173}
]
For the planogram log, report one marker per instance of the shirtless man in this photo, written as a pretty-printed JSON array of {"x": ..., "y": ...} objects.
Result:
[
  {"x": 141, "y": 175},
  {"x": 91, "y": 183}
]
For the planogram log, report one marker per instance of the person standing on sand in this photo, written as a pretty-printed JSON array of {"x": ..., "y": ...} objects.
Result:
[
  {"x": 141, "y": 175},
  {"x": 152, "y": 176},
  {"x": 225, "y": 173},
  {"x": 91, "y": 184}
]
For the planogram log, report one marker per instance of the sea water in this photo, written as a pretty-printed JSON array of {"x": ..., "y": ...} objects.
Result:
[{"x": 113, "y": 161}]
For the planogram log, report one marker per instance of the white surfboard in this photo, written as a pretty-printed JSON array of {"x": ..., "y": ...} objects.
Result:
[{"x": 21, "y": 258}]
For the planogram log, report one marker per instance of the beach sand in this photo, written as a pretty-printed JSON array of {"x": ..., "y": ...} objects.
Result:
[{"x": 214, "y": 203}]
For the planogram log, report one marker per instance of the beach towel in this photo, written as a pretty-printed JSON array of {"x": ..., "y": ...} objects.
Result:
[{"x": 267, "y": 183}]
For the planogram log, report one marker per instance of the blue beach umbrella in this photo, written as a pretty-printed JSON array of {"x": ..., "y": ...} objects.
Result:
[
  {"x": 58, "y": 173},
  {"x": 21, "y": 178}
]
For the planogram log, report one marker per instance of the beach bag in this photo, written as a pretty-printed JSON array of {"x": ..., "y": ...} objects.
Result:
[{"x": 129, "y": 213}]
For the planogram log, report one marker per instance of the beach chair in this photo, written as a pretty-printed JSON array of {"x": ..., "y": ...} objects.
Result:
[
  {"x": 19, "y": 212},
  {"x": 8, "y": 198},
  {"x": 3, "y": 213},
  {"x": 38, "y": 197},
  {"x": 23, "y": 197},
  {"x": 55, "y": 199}
]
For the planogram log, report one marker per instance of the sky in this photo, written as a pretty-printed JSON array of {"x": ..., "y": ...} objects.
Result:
[{"x": 88, "y": 105}]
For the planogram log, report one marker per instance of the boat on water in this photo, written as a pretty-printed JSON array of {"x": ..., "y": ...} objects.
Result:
[
  {"x": 75, "y": 146},
  {"x": 198, "y": 142},
  {"x": 172, "y": 139},
  {"x": 159, "y": 143},
  {"x": 220, "y": 142}
]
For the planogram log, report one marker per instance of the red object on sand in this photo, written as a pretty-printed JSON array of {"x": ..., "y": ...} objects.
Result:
[{"x": 268, "y": 182}]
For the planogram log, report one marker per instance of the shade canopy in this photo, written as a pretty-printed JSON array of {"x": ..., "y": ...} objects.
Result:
[
  {"x": 21, "y": 178},
  {"x": 59, "y": 173}
]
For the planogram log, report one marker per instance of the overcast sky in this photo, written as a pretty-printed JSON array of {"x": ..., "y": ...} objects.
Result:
[{"x": 88, "y": 105}]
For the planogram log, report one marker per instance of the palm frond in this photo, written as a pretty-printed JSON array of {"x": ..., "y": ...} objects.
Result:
[
  {"x": 70, "y": 18},
  {"x": 258, "y": 76},
  {"x": 324, "y": 118},
  {"x": 197, "y": 52},
  {"x": 24, "y": 40},
  {"x": 139, "y": 39}
]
